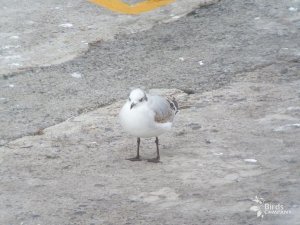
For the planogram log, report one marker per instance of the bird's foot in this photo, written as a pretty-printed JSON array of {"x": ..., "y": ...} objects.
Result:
[
  {"x": 134, "y": 159},
  {"x": 154, "y": 160}
]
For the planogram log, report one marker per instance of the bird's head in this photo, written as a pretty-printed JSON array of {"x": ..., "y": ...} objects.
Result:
[{"x": 136, "y": 97}]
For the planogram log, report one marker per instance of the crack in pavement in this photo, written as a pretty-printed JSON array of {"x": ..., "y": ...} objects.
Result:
[{"x": 226, "y": 37}]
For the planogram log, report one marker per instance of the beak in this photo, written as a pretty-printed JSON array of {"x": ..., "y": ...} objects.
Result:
[{"x": 132, "y": 105}]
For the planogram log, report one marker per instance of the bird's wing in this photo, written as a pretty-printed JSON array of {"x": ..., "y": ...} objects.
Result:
[{"x": 162, "y": 108}]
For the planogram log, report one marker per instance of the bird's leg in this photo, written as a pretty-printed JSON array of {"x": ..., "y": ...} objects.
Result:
[
  {"x": 137, "y": 158},
  {"x": 155, "y": 160},
  {"x": 157, "y": 149},
  {"x": 138, "y": 148}
]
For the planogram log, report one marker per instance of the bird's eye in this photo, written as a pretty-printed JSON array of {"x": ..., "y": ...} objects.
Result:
[{"x": 141, "y": 100}]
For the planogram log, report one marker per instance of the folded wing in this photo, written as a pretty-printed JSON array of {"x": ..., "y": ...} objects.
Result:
[{"x": 164, "y": 109}]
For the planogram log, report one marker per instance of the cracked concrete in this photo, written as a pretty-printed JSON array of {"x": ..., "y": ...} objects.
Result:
[
  {"x": 229, "y": 38},
  {"x": 35, "y": 34},
  {"x": 62, "y": 151},
  {"x": 76, "y": 173}
]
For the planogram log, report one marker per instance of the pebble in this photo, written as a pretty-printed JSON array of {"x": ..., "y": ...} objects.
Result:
[
  {"x": 218, "y": 153},
  {"x": 293, "y": 9},
  {"x": 76, "y": 75},
  {"x": 250, "y": 160},
  {"x": 66, "y": 25}
]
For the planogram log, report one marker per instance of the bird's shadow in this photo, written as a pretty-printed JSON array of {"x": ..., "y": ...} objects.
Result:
[{"x": 135, "y": 159}]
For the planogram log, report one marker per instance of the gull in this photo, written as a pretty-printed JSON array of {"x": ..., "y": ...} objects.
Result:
[{"x": 144, "y": 116}]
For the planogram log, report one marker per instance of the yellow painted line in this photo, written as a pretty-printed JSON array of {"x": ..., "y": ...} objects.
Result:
[{"x": 120, "y": 6}]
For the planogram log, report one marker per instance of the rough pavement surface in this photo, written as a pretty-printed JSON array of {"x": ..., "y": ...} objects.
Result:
[
  {"x": 76, "y": 172},
  {"x": 230, "y": 38},
  {"x": 40, "y": 34},
  {"x": 235, "y": 138}
]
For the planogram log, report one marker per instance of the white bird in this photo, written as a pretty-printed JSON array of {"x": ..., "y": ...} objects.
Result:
[{"x": 145, "y": 116}]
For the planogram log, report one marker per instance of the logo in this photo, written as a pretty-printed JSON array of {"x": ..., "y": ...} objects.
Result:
[
  {"x": 263, "y": 208},
  {"x": 120, "y": 6}
]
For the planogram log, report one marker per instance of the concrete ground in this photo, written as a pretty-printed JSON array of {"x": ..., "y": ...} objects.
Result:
[
  {"x": 234, "y": 67},
  {"x": 35, "y": 33}
]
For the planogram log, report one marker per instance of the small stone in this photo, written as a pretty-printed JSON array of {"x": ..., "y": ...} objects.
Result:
[
  {"x": 250, "y": 160},
  {"x": 195, "y": 126},
  {"x": 189, "y": 91},
  {"x": 76, "y": 75},
  {"x": 52, "y": 157},
  {"x": 66, "y": 25},
  {"x": 218, "y": 153},
  {"x": 180, "y": 133},
  {"x": 201, "y": 63},
  {"x": 207, "y": 141},
  {"x": 293, "y": 9},
  {"x": 175, "y": 17}
]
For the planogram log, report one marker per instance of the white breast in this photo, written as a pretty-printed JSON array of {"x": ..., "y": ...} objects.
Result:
[{"x": 139, "y": 121}]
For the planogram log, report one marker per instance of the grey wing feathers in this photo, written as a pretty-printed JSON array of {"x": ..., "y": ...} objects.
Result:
[
  {"x": 164, "y": 109},
  {"x": 174, "y": 105}
]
